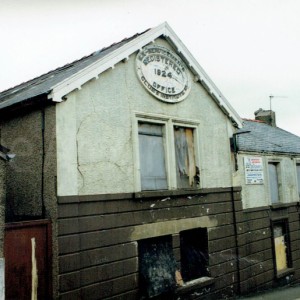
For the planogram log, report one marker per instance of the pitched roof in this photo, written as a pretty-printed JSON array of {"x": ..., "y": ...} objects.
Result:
[
  {"x": 44, "y": 83},
  {"x": 58, "y": 83},
  {"x": 265, "y": 138}
]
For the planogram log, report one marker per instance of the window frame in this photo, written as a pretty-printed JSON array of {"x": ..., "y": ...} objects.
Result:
[
  {"x": 297, "y": 164},
  {"x": 285, "y": 224},
  {"x": 168, "y": 124},
  {"x": 174, "y": 265},
  {"x": 278, "y": 164},
  {"x": 195, "y": 244}
]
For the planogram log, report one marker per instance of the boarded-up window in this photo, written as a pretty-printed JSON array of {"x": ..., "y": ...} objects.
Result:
[
  {"x": 281, "y": 245},
  {"x": 157, "y": 266},
  {"x": 152, "y": 157},
  {"x": 298, "y": 178},
  {"x": 273, "y": 180},
  {"x": 185, "y": 157},
  {"x": 194, "y": 253}
]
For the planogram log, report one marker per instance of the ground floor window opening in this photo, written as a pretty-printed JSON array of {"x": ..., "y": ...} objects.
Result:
[{"x": 194, "y": 254}]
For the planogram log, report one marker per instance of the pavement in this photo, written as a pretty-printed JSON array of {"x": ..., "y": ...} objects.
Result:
[{"x": 285, "y": 293}]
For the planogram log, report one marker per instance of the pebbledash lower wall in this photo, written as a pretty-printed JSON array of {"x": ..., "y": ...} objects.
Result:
[
  {"x": 98, "y": 240},
  {"x": 257, "y": 263}
]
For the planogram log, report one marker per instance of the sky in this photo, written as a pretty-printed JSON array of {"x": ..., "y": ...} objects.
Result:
[{"x": 249, "y": 48}]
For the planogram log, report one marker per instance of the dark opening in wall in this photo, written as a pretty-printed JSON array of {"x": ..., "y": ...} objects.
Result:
[
  {"x": 194, "y": 253},
  {"x": 157, "y": 266}
]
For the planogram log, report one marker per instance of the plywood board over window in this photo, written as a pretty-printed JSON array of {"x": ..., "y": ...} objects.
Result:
[
  {"x": 281, "y": 246},
  {"x": 157, "y": 266},
  {"x": 152, "y": 157},
  {"x": 185, "y": 157}
]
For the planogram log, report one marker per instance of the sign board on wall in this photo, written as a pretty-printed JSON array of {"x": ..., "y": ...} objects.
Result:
[
  {"x": 253, "y": 170},
  {"x": 163, "y": 73}
]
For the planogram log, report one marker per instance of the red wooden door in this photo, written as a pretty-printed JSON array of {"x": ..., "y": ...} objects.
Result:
[{"x": 27, "y": 260}]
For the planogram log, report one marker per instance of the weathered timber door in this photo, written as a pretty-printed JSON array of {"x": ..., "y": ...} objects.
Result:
[{"x": 27, "y": 253}]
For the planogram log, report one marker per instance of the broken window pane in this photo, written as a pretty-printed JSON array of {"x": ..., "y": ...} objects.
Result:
[
  {"x": 194, "y": 253},
  {"x": 157, "y": 266},
  {"x": 281, "y": 246},
  {"x": 273, "y": 180},
  {"x": 152, "y": 157},
  {"x": 185, "y": 157}
]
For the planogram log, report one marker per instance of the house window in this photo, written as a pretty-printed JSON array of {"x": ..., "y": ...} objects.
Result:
[
  {"x": 186, "y": 171},
  {"x": 281, "y": 246},
  {"x": 194, "y": 253},
  {"x": 152, "y": 156},
  {"x": 157, "y": 266},
  {"x": 273, "y": 168},
  {"x": 298, "y": 178}
]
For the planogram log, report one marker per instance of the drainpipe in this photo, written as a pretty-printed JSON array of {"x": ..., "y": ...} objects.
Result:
[
  {"x": 237, "y": 255},
  {"x": 235, "y": 148}
]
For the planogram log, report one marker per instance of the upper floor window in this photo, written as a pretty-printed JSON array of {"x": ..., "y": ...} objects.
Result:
[
  {"x": 185, "y": 157},
  {"x": 298, "y": 178},
  {"x": 167, "y": 156},
  {"x": 152, "y": 157},
  {"x": 273, "y": 168}
]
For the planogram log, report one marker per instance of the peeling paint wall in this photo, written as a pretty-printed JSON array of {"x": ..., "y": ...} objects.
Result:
[
  {"x": 256, "y": 195},
  {"x": 95, "y": 132}
]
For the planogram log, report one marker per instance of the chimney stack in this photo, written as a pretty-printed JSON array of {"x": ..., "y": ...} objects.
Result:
[{"x": 267, "y": 116}]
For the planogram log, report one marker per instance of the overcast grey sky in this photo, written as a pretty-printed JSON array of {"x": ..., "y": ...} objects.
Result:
[{"x": 249, "y": 48}]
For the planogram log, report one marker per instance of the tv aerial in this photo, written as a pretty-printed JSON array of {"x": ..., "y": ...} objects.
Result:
[{"x": 274, "y": 96}]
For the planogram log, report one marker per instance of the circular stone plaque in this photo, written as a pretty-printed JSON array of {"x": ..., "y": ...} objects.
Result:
[{"x": 163, "y": 73}]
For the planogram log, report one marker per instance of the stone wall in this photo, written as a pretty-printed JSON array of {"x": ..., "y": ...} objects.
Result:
[{"x": 99, "y": 239}]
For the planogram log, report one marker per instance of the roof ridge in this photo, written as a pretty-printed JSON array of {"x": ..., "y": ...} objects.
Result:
[{"x": 253, "y": 120}]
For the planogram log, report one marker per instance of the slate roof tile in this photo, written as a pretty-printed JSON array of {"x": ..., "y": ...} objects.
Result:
[
  {"x": 43, "y": 84},
  {"x": 265, "y": 138}
]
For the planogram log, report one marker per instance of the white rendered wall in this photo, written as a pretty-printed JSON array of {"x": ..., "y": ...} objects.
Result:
[
  {"x": 96, "y": 134},
  {"x": 259, "y": 195}
]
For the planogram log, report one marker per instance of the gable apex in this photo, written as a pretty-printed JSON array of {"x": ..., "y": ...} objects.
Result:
[
  {"x": 94, "y": 70},
  {"x": 59, "y": 83}
]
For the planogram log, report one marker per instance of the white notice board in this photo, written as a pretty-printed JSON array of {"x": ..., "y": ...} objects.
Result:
[{"x": 253, "y": 170}]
